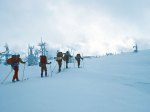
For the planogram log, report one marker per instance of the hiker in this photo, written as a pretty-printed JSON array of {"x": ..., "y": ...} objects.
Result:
[
  {"x": 66, "y": 57},
  {"x": 59, "y": 60},
  {"x": 78, "y": 58},
  {"x": 42, "y": 64},
  {"x": 14, "y": 62}
]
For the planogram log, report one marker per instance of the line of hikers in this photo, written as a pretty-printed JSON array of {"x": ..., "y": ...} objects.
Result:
[{"x": 15, "y": 60}]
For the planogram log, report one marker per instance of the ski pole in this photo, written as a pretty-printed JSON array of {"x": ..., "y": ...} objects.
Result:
[
  {"x": 23, "y": 72},
  {"x": 74, "y": 63},
  {"x": 53, "y": 69},
  {"x": 6, "y": 76},
  {"x": 83, "y": 63},
  {"x": 64, "y": 63},
  {"x": 82, "y": 60}
]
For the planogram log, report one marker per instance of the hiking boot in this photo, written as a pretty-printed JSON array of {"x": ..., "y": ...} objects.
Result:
[
  {"x": 59, "y": 70},
  {"x": 46, "y": 74},
  {"x": 41, "y": 75},
  {"x": 13, "y": 80},
  {"x": 17, "y": 80}
]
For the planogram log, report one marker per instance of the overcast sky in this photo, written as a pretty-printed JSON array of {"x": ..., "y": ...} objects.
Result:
[{"x": 87, "y": 26}]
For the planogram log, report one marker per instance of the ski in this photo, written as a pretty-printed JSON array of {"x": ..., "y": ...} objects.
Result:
[
  {"x": 15, "y": 81},
  {"x": 25, "y": 79},
  {"x": 58, "y": 72}
]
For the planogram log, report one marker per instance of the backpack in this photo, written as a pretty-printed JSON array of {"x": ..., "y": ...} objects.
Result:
[
  {"x": 14, "y": 59},
  {"x": 9, "y": 61},
  {"x": 78, "y": 54},
  {"x": 67, "y": 56},
  {"x": 43, "y": 59},
  {"x": 59, "y": 54}
]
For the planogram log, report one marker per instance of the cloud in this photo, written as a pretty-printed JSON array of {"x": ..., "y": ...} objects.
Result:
[{"x": 92, "y": 27}]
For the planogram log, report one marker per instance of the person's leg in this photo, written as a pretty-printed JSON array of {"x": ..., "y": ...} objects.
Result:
[
  {"x": 15, "y": 74},
  {"x": 67, "y": 63},
  {"x": 60, "y": 64},
  {"x": 79, "y": 64},
  {"x": 45, "y": 70},
  {"x": 41, "y": 70}
]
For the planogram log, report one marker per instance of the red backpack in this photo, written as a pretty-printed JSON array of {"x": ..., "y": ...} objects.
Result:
[
  {"x": 43, "y": 59},
  {"x": 78, "y": 54},
  {"x": 9, "y": 61},
  {"x": 13, "y": 59}
]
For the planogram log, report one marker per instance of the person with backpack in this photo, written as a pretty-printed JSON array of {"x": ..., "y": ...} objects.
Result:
[
  {"x": 59, "y": 60},
  {"x": 66, "y": 57},
  {"x": 78, "y": 58},
  {"x": 42, "y": 64},
  {"x": 14, "y": 62}
]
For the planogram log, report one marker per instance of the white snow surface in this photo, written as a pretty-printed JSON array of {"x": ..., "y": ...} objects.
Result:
[{"x": 118, "y": 83}]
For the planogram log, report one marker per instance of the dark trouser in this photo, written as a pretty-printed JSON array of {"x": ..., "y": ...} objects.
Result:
[
  {"x": 16, "y": 69},
  {"x": 67, "y": 61},
  {"x": 59, "y": 65},
  {"x": 78, "y": 61},
  {"x": 43, "y": 68}
]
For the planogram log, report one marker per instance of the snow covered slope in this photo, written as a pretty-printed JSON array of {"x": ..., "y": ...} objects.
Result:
[{"x": 119, "y": 83}]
